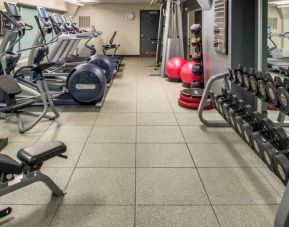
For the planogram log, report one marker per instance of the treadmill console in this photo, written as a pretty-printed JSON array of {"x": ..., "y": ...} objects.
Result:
[
  {"x": 13, "y": 12},
  {"x": 56, "y": 18},
  {"x": 44, "y": 17},
  {"x": 73, "y": 24},
  {"x": 67, "y": 25}
]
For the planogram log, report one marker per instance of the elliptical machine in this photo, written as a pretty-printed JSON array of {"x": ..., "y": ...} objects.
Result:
[
  {"x": 62, "y": 51},
  {"x": 9, "y": 88},
  {"x": 85, "y": 84}
]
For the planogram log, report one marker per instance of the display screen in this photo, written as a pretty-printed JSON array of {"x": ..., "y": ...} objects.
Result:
[
  {"x": 43, "y": 13},
  {"x": 13, "y": 10}
]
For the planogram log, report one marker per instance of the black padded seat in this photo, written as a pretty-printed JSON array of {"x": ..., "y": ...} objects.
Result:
[
  {"x": 9, "y": 166},
  {"x": 40, "y": 153}
]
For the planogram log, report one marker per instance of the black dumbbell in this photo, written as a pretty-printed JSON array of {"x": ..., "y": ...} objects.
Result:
[
  {"x": 217, "y": 99},
  {"x": 229, "y": 98},
  {"x": 264, "y": 134},
  {"x": 281, "y": 163},
  {"x": 271, "y": 88},
  {"x": 283, "y": 96},
  {"x": 246, "y": 126},
  {"x": 238, "y": 75},
  {"x": 253, "y": 80},
  {"x": 262, "y": 86},
  {"x": 234, "y": 103},
  {"x": 239, "y": 110},
  {"x": 270, "y": 149},
  {"x": 246, "y": 78},
  {"x": 245, "y": 114}
]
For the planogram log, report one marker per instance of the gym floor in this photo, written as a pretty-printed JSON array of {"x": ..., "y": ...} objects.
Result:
[{"x": 143, "y": 161}]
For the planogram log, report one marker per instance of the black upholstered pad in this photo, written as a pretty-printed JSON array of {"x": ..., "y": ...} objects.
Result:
[
  {"x": 39, "y": 153},
  {"x": 8, "y": 165}
]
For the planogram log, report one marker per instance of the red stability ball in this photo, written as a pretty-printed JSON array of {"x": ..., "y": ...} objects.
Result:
[
  {"x": 187, "y": 74},
  {"x": 174, "y": 66}
]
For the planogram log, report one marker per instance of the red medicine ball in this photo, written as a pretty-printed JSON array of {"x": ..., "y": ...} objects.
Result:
[
  {"x": 187, "y": 74},
  {"x": 174, "y": 66}
]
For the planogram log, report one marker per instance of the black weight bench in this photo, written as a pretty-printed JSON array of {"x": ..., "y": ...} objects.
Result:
[{"x": 15, "y": 175}]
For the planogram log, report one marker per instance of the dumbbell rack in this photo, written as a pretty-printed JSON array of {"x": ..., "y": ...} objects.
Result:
[
  {"x": 282, "y": 216},
  {"x": 224, "y": 76}
]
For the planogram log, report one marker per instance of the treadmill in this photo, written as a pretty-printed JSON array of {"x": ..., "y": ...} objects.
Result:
[{"x": 275, "y": 60}]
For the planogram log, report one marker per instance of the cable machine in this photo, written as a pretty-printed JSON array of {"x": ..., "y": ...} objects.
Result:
[{"x": 173, "y": 40}]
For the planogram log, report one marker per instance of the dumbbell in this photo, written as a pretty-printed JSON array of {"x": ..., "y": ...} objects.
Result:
[
  {"x": 264, "y": 134},
  {"x": 278, "y": 144},
  {"x": 219, "y": 100},
  {"x": 233, "y": 112},
  {"x": 224, "y": 107},
  {"x": 271, "y": 88},
  {"x": 238, "y": 75},
  {"x": 244, "y": 113},
  {"x": 253, "y": 80},
  {"x": 249, "y": 124},
  {"x": 246, "y": 78},
  {"x": 262, "y": 86},
  {"x": 281, "y": 163},
  {"x": 283, "y": 96}
]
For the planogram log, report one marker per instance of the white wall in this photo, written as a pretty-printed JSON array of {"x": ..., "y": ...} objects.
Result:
[{"x": 111, "y": 17}]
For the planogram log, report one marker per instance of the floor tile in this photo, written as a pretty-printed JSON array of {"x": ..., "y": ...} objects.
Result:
[
  {"x": 202, "y": 134},
  {"x": 175, "y": 216},
  {"x": 94, "y": 216},
  {"x": 113, "y": 134},
  {"x": 29, "y": 215},
  {"x": 73, "y": 134},
  {"x": 76, "y": 118},
  {"x": 238, "y": 186},
  {"x": 117, "y": 106},
  {"x": 38, "y": 193},
  {"x": 163, "y": 155},
  {"x": 108, "y": 155},
  {"x": 273, "y": 180},
  {"x": 149, "y": 119},
  {"x": 153, "y": 107},
  {"x": 246, "y": 215},
  {"x": 159, "y": 134},
  {"x": 167, "y": 186},
  {"x": 222, "y": 155},
  {"x": 188, "y": 118},
  {"x": 101, "y": 187},
  {"x": 116, "y": 119}
]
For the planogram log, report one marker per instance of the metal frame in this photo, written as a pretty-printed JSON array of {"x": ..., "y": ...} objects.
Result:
[
  {"x": 29, "y": 178},
  {"x": 173, "y": 30}
]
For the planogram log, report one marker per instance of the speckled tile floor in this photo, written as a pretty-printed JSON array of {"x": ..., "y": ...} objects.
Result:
[{"x": 143, "y": 161}]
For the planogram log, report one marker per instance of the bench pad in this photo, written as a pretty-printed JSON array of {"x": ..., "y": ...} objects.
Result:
[
  {"x": 40, "y": 153},
  {"x": 8, "y": 165}
]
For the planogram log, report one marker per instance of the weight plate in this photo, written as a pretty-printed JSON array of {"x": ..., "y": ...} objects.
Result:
[
  {"x": 283, "y": 97},
  {"x": 280, "y": 138},
  {"x": 253, "y": 85},
  {"x": 262, "y": 89},
  {"x": 272, "y": 93}
]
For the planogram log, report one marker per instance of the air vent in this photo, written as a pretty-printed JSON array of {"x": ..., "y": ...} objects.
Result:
[
  {"x": 84, "y": 21},
  {"x": 273, "y": 22}
]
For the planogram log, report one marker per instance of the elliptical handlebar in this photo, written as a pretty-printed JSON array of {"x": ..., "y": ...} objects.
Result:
[{"x": 19, "y": 29}]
